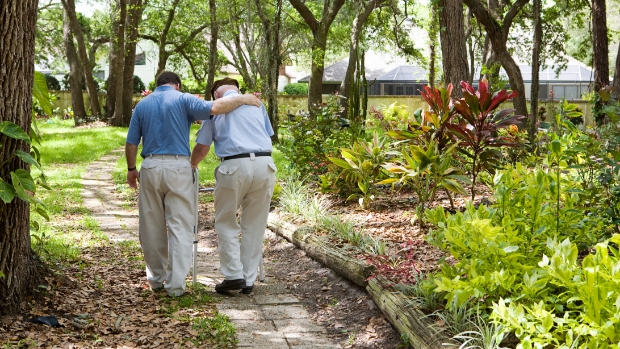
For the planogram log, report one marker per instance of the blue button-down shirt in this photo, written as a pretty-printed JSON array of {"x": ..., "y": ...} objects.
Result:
[
  {"x": 162, "y": 120},
  {"x": 244, "y": 130}
]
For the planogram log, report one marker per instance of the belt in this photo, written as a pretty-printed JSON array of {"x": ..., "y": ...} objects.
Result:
[
  {"x": 246, "y": 155},
  {"x": 167, "y": 156}
]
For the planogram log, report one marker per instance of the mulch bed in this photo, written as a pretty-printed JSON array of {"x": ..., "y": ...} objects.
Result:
[{"x": 103, "y": 300}]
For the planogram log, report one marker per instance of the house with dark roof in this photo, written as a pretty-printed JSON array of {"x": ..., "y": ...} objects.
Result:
[{"x": 408, "y": 80}]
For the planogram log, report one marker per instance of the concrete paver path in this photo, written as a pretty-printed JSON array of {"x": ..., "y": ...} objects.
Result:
[{"x": 271, "y": 317}]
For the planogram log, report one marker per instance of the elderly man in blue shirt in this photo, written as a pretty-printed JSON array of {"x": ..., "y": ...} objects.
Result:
[
  {"x": 245, "y": 178},
  {"x": 162, "y": 121}
]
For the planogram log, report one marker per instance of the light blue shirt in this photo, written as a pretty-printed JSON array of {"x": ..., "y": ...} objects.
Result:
[
  {"x": 244, "y": 130},
  {"x": 162, "y": 120}
]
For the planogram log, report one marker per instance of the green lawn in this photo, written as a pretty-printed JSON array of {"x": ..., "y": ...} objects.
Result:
[{"x": 66, "y": 151}]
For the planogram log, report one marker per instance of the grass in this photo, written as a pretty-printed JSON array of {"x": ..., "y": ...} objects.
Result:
[{"x": 66, "y": 152}]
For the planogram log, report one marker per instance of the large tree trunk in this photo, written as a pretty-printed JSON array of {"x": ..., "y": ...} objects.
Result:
[
  {"x": 601, "y": 44},
  {"x": 212, "y": 48},
  {"x": 134, "y": 14},
  {"x": 117, "y": 118},
  {"x": 361, "y": 16},
  {"x": 91, "y": 87},
  {"x": 17, "y": 25},
  {"x": 601, "y": 51},
  {"x": 616, "y": 86},
  {"x": 115, "y": 51},
  {"x": 497, "y": 35},
  {"x": 453, "y": 48},
  {"x": 533, "y": 120},
  {"x": 75, "y": 72}
]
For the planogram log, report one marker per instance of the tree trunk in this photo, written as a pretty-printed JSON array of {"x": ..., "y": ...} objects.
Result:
[
  {"x": 17, "y": 25},
  {"x": 453, "y": 47},
  {"x": 601, "y": 51},
  {"x": 616, "y": 86},
  {"x": 433, "y": 31},
  {"x": 75, "y": 72},
  {"x": 134, "y": 15},
  {"x": 212, "y": 48},
  {"x": 601, "y": 44},
  {"x": 110, "y": 99},
  {"x": 91, "y": 87},
  {"x": 319, "y": 30},
  {"x": 533, "y": 120},
  {"x": 117, "y": 118},
  {"x": 361, "y": 16},
  {"x": 315, "y": 86},
  {"x": 497, "y": 35},
  {"x": 273, "y": 61}
]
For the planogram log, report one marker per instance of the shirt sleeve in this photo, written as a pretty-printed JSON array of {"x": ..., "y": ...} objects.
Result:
[
  {"x": 268, "y": 127},
  {"x": 135, "y": 129},
  {"x": 196, "y": 108},
  {"x": 205, "y": 134}
]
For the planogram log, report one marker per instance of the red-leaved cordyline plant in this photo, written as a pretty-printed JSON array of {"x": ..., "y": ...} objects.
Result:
[
  {"x": 441, "y": 112},
  {"x": 477, "y": 128}
]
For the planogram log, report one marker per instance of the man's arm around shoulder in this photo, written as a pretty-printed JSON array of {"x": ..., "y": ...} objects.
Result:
[{"x": 226, "y": 105}]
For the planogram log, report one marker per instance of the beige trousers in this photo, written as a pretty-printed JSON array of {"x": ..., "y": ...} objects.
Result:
[
  {"x": 245, "y": 183},
  {"x": 167, "y": 197}
]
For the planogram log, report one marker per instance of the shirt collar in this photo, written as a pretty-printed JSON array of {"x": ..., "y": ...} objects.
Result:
[
  {"x": 230, "y": 93},
  {"x": 164, "y": 88}
]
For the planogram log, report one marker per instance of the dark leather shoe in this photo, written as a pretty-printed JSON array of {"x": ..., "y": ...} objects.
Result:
[
  {"x": 247, "y": 289},
  {"x": 229, "y": 285}
]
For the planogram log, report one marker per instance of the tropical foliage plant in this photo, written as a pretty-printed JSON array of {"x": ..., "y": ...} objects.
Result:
[
  {"x": 478, "y": 126},
  {"x": 362, "y": 167}
]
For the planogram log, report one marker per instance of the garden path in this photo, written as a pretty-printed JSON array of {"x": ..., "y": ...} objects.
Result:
[{"x": 270, "y": 318}]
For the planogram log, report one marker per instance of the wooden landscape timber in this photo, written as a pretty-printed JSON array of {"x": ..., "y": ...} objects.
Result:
[
  {"x": 395, "y": 305},
  {"x": 353, "y": 269}
]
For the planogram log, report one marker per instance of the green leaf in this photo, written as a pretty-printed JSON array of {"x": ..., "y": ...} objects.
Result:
[
  {"x": 40, "y": 93},
  {"x": 388, "y": 181},
  {"x": 509, "y": 249},
  {"x": 14, "y": 131},
  {"x": 340, "y": 163},
  {"x": 22, "y": 182},
  {"x": 27, "y": 158},
  {"x": 7, "y": 193},
  {"x": 556, "y": 146},
  {"x": 43, "y": 212}
]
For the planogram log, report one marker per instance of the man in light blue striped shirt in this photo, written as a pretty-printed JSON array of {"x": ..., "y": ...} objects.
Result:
[{"x": 245, "y": 179}]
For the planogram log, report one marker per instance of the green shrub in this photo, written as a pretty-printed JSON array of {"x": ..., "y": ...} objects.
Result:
[
  {"x": 306, "y": 142},
  {"x": 296, "y": 89},
  {"x": 193, "y": 86},
  {"x": 52, "y": 82},
  {"x": 138, "y": 85}
]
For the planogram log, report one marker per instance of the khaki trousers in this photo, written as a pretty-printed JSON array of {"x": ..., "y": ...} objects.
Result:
[
  {"x": 246, "y": 183},
  {"x": 167, "y": 197}
]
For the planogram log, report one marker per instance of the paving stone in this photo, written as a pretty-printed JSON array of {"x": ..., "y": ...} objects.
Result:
[
  {"x": 240, "y": 312},
  {"x": 269, "y": 288},
  {"x": 262, "y": 340},
  {"x": 297, "y": 326},
  {"x": 251, "y": 326},
  {"x": 280, "y": 312},
  {"x": 275, "y": 299},
  {"x": 308, "y": 340}
]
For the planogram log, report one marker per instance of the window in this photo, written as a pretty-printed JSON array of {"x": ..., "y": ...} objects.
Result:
[
  {"x": 390, "y": 90},
  {"x": 140, "y": 59},
  {"x": 410, "y": 91},
  {"x": 571, "y": 92},
  {"x": 399, "y": 90}
]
